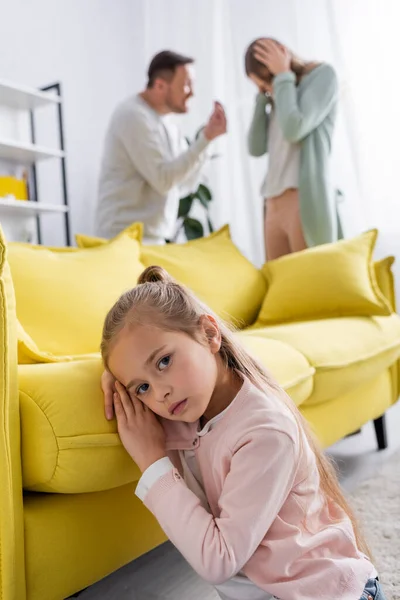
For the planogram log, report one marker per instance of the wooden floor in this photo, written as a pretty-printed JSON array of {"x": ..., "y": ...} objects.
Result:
[{"x": 163, "y": 574}]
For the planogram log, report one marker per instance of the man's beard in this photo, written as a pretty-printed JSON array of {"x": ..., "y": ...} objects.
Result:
[{"x": 174, "y": 107}]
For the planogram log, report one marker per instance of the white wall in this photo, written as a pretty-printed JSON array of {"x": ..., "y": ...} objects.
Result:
[
  {"x": 99, "y": 50},
  {"x": 94, "y": 49}
]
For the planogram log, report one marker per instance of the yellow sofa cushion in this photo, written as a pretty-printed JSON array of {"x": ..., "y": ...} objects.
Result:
[
  {"x": 67, "y": 444},
  {"x": 286, "y": 364},
  {"x": 135, "y": 231},
  {"x": 63, "y": 297},
  {"x": 344, "y": 352},
  {"x": 216, "y": 271},
  {"x": 331, "y": 280},
  {"x": 385, "y": 280}
]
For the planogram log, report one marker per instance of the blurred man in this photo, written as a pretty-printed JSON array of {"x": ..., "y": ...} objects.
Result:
[{"x": 147, "y": 165}]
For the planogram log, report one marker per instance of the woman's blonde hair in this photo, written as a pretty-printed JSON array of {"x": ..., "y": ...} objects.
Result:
[{"x": 158, "y": 300}]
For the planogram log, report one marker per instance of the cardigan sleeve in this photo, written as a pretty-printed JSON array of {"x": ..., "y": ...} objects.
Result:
[
  {"x": 298, "y": 114},
  {"x": 257, "y": 138},
  {"x": 262, "y": 473}
]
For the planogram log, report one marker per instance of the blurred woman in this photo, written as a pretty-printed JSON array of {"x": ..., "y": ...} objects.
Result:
[{"x": 293, "y": 122}]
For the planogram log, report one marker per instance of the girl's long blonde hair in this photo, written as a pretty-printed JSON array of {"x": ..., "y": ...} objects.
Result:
[{"x": 160, "y": 301}]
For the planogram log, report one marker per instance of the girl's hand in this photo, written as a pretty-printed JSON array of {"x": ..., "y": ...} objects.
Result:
[
  {"x": 139, "y": 429},
  {"x": 108, "y": 387},
  {"x": 272, "y": 55}
]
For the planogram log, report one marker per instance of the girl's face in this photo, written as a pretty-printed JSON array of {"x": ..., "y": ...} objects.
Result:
[{"x": 174, "y": 375}]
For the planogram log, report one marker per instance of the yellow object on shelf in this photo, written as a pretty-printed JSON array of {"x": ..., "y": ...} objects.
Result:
[{"x": 11, "y": 186}]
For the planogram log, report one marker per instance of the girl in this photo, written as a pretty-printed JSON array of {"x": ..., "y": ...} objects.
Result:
[
  {"x": 293, "y": 121},
  {"x": 230, "y": 469}
]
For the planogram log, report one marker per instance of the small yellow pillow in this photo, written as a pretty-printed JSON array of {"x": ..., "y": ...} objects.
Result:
[
  {"x": 63, "y": 297},
  {"x": 216, "y": 271},
  {"x": 332, "y": 280},
  {"x": 135, "y": 231},
  {"x": 29, "y": 353},
  {"x": 385, "y": 279}
]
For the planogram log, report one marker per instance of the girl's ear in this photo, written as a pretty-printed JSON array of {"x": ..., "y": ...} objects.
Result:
[{"x": 211, "y": 332}]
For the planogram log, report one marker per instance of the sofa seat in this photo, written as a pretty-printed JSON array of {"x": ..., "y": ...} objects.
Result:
[
  {"x": 345, "y": 352},
  {"x": 287, "y": 364},
  {"x": 67, "y": 444}
]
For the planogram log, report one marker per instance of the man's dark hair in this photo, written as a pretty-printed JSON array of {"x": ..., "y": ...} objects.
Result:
[{"x": 164, "y": 65}]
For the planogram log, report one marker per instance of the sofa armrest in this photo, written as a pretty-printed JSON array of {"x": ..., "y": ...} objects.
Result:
[
  {"x": 385, "y": 280},
  {"x": 68, "y": 446}
]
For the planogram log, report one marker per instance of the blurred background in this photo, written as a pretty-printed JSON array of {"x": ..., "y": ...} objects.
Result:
[{"x": 99, "y": 51}]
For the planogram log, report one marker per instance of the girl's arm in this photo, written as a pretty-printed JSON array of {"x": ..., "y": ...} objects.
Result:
[
  {"x": 257, "y": 138},
  {"x": 262, "y": 473},
  {"x": 298, "y": 116}
]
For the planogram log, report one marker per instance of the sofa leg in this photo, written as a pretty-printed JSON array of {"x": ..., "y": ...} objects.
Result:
[
  {"x": 354, "y": 433},
  {"x": 380, "y": 432}
]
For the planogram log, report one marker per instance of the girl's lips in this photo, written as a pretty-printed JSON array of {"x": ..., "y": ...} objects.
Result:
[{"x": 178, "y": 407}]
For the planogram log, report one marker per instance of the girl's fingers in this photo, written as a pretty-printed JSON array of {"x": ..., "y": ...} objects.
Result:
[
  {"x": 137, "y": 404},
  {"x": 125, "y": 400},
  {"x": 119, "y": 409},
  {"x": 108, "y": 403}
]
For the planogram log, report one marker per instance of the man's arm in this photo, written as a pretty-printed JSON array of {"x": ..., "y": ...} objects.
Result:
[
  {"x": 145, "y": 148},
  {"x": 144, "y": 145},
  {"x": 196, "y": 176}
]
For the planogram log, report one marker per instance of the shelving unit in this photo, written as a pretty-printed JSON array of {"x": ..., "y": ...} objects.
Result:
[
  {"x": 22, "y": 215},
  {"x": 25, "y": 207},
  {"x": 24, "y": 98},
  {"x": 27, "y": 154}
]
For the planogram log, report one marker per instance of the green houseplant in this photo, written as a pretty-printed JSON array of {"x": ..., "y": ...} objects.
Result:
[{"x": 192, "y": 227}]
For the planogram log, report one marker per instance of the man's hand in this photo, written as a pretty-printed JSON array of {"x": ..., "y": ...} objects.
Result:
[
  {"x": 216, "y": 125},
  {"x": 139, "y": 429},
  {"x": 272, "y": 55},
  {"x": 108, "y": 387}
]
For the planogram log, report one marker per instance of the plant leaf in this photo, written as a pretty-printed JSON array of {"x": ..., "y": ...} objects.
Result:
[
  {"x": 203, "y": 197},
  {"x": 185, "y": 204},
  {"x": 203, "y": 189},
  {"x": 210, "y": 225},
  {"x": 193, "y": 228}
]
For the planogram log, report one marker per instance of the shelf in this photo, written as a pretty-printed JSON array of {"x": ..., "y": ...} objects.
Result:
[
  {"x": 29, "y": 208},
  {"x": 26, "y": 153},
  {"x": 23, "y": 97}
]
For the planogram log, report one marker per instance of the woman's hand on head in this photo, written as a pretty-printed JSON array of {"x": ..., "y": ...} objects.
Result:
[
  {"x": 274, "y": 56},
  {"x": 108, "y": 387},
  {"x": 140, "y": 431}
]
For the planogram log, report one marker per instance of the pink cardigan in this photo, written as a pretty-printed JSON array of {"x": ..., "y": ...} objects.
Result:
[{"x": 268, "y": 517}]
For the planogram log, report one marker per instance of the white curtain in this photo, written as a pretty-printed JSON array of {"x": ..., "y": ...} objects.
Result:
[{"x": 358, "y": 37}]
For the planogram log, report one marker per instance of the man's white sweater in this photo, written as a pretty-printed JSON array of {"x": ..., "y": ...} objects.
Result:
[{"x": 147, "y": 167}]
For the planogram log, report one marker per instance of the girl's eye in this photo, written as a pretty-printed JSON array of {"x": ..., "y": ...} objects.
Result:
[
  {"x": 142, "y": 389},
  {"x": 164, "y": 363}
]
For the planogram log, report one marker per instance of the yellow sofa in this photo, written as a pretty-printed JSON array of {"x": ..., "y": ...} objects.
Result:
[{"x": 68, "y": 513}]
